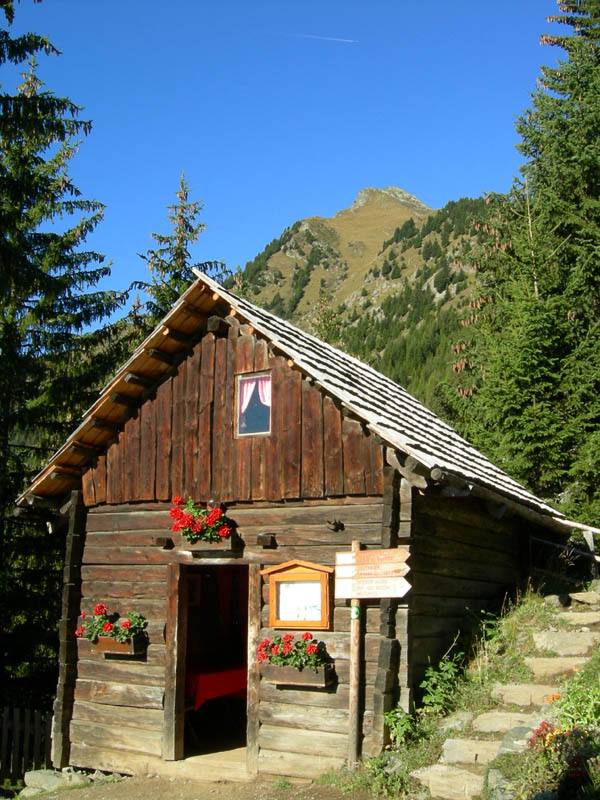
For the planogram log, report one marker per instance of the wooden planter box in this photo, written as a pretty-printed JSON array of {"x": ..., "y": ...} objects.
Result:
[
  {"x": 106, "y": 645},
  {"x": 290, "y": 676},
  {"x": 222, "y": 547}
]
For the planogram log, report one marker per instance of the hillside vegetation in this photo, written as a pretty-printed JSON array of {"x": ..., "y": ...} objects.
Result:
[{"x": 381, "y": 279}]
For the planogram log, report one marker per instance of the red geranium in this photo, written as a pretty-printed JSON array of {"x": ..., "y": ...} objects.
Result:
[
  {"x": 107, "y": 627},
  {"x": 285, "y": 651},
  {"x": 100, "y": 609},
  {"x": 125, "y": 623},
  {"x": 210, "y": 525}
]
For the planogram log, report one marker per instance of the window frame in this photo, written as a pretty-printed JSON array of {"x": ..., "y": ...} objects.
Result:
[
  {"x": 241, "y": 376},
  {"x": 299, "y": 571}
]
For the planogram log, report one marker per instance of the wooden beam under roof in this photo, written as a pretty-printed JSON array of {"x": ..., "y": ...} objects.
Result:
[
  {"x": 160, "y": 355},
  {"x": 124, "y": 400},
  {"x": 140, "y": 380},
  {"x": 177, "y": 336}
]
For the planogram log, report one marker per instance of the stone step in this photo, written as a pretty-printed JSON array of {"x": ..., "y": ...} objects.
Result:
[
  {"x": 589, "y": 598},
  {"x": 469, "y": 751},
  {"x": 502, "y": 721},
  {"x": 524, "y": 694},
  {"x": 580, "y": 617},
  {"x": 450, "y": 783},
  {"x": 545, "y": 666},
  {"x": 566, "y": 643}
]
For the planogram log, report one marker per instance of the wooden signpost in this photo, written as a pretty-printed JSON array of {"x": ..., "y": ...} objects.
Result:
[
  {"x": 371, "y": 573},
  {"x": 365, "y": 574}
]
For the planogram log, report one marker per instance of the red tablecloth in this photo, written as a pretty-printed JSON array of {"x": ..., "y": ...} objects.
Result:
[{"x": 201, "y": 686}]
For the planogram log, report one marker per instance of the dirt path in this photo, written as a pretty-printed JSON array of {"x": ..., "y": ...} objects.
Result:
[{"x": 177, "y": 789}]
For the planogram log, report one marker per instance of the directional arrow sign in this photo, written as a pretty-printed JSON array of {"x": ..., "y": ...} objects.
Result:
[{"x": 371, "y": 573}]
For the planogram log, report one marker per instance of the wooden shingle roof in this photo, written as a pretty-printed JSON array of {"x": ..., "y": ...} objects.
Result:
[{"x": 389, "y": 411}]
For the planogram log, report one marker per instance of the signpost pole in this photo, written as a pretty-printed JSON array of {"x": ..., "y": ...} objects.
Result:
[{"x": 354, "y": 696}]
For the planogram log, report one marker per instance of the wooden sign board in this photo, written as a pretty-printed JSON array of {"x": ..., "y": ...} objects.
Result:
[{"x": 371, "y": 573}]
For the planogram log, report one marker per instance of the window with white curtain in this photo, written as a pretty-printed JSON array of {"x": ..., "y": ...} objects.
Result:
[{"x": 253, "y": 404}]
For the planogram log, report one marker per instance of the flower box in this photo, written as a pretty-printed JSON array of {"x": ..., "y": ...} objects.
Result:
[
  {"x": 290, "y": 676},
  {"x": 105, "y": 644},
  {"x": 222, "y": 547}
]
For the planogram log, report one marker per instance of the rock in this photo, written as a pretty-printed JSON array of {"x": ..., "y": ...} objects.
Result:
[
  {"x": 450, "y": 783},
  {"x": 469, "y": 751},
  {"x": 77, "y": 778},
  {"x": 568, "y": 643},
  {"x": 500, "y": 721},
  {"x": 580, "y": 618},
  {"x": 545, "y": 666},
  {"x": 523, "y": 694},
  {"x": 498, "y": 786},
  {"x": 557, "y": 600},
  {"x": 516, "y": 739},
  {"x": 30, "y": 791},
  {"x": 457, "y": 721},
  {"x": 595, "y": 585},
  {"x": 589, "y": 598},
  {"x": 45, "y": 779}
]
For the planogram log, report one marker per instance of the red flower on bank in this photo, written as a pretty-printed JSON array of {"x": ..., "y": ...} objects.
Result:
[
  {"x": 100, "y": 609},
  {"x": 107, "y": 627},
  {"x": 307, "y": 636}
]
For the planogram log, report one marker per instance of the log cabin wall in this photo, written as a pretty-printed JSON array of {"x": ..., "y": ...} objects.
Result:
[
  {"x": 316, "y": 466},
  {"x": 462, "y": 559}
]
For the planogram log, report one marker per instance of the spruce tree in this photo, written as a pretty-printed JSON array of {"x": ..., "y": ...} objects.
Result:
[
  {"x": 530, "y": 357},
  {"x": 170, "y": 263},
  {"x": 53, "y": 350}
]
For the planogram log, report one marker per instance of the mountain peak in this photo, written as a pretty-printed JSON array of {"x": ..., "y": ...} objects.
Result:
[{"x": 383, "y": 196}]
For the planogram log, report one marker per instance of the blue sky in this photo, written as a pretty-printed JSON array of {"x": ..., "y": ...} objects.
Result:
[{"x": 277, "y": 110}]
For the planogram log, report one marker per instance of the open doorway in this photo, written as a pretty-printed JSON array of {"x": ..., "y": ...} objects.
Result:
[{"x": 216, "y": 658}]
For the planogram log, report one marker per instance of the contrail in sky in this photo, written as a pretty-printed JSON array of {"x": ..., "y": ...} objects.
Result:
[{"x": 325, "y": 38}]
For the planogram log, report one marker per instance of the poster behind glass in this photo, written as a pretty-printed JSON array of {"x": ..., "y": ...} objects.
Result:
[{"x": 299, "y": 601}]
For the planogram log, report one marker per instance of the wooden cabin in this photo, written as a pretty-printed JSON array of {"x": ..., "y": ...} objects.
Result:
[{"x": 308, "y": 450}]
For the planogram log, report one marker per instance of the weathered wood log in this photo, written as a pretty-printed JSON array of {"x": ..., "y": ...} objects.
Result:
[
  {"x": 297, "y": 741},
  {"x": 121, "y": 737},
  {"x": 119, "y": 694},
  {"x": 146, "y": 718}
]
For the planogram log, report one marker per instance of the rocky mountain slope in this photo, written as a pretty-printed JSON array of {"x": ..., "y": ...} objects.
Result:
[{"x": 382, "y": 279}]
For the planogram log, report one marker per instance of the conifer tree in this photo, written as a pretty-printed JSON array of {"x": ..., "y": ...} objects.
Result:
[
  {"x": 170, "y": 264},
  {"x": 52, "y": 351},
  {"x": 530, "y": 357}
]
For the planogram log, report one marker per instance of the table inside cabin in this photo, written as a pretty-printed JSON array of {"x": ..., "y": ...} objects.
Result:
[{"x": 202, "y": 684}]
